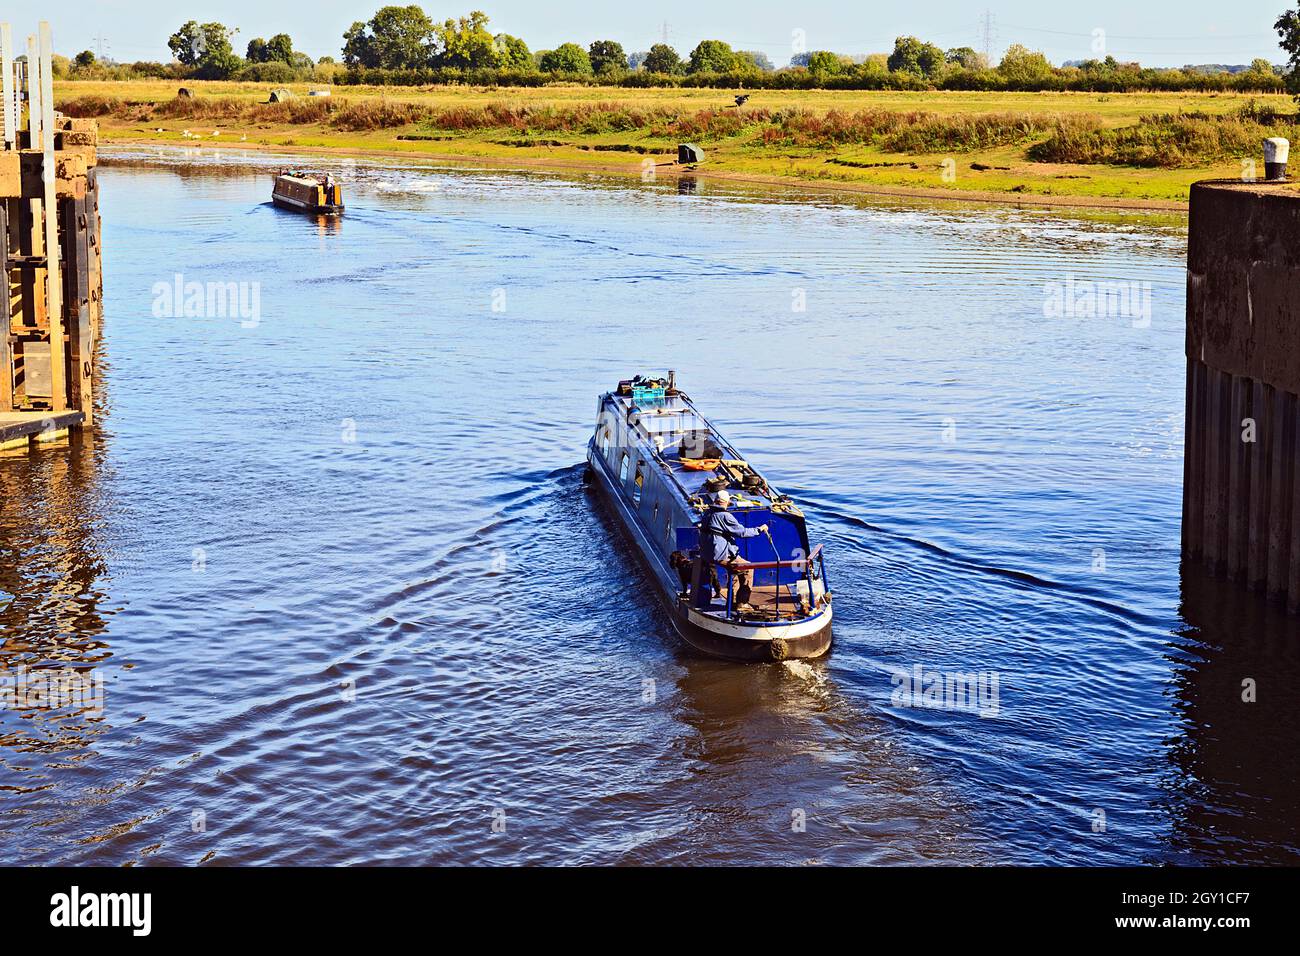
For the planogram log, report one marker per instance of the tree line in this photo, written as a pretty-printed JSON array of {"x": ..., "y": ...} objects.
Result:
[{"x": 402, "y": 45}]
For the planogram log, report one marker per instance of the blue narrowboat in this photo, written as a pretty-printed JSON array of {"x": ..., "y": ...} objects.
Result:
[{"x": 662, "y": 468}]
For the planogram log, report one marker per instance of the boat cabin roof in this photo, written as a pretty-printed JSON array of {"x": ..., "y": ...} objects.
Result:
[
  {"x": 660, "y": 427},
  {"x": 306, "y": 179}
]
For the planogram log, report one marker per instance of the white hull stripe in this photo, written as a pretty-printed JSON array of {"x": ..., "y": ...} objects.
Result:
[{"x": 761, "y": 633}]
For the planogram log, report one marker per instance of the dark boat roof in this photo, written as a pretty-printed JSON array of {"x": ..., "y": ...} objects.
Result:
[
  {"x": 660, "y": 427},
  {"x": 306, "y": 179}
]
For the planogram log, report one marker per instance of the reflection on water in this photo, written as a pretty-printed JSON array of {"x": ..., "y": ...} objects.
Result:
[
  {"x": 1236, "y": 691},
  {"x": 353, "y": 604},
  {"x": 53, "y": 655},
  {"x": 325, "y": 225}
]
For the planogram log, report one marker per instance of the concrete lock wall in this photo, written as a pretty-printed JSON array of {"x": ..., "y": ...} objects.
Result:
[{"x": 1241, "y": 497}]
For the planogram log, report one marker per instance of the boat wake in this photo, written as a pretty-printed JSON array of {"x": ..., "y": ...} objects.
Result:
[{"x": 953, "y": 559}]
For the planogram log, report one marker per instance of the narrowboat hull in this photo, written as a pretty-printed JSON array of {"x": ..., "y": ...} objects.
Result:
[
  {"x": 765, "y": 643},
  {"x": 303, "y": 192},
  {"x": 288, "y": 202}
]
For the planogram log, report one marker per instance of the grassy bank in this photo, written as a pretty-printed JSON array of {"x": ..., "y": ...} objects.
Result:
[{"x": 1111, "y": 148}]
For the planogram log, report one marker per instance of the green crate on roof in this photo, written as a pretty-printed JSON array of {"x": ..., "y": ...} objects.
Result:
[{"x": 648, "y": 394}]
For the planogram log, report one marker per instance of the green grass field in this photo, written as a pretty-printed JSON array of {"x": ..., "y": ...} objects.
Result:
[{"x": 932, "y": 143}]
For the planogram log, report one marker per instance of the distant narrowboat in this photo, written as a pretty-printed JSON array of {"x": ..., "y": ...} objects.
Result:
[
  {"x": 308, "y": 193},
  {"x": 663, "y": 469}
]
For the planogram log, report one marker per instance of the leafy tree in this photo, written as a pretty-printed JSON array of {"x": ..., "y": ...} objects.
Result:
[
  {"x": 466, "y": 43},
  {"x": 1261, "y": 66},
  {"x": 1022, "y": 65},
  {"x": 663, "y": 59},
  {"x": 280, "y": 47},
  {"x": 326, "y": 70},
  {"x": 912, "y": 56},
  {"x": 1108, "y": 65},
  {"x": 357, "y": 46},
  {"x": 758, "y": 58},
  {"x": 635, "y": 59},
  {"x": 1288, "y": 31},
  {"x": 966, "y": 58},
  {"x": 256, "y": 52},
  {"x": 272, "y": 71},
  {"x": 512, "y": 53},
  {"x": 824, "y": 63},
  {"x": 84, "y": 60},
  {"x": 607, "y": 56},
  {"x": 207, "y": 47},
  {"x": 566, "y": 58},
  {"x": 712, "y": 56},
  {"x": 219, "y": 63},
  {"x": 184, "y": 43},
  {"x": 396, "y": 38},
  {"x": 188, "y": 43}
]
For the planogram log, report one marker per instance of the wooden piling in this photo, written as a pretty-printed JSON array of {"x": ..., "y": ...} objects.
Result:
[
  {"x": 50, "y": 220},
  {"x": 6, "y": 350},
  {"x": 49, "y": 255},
  {"x": 8, "y": 111},
  {"x": 76, "y": 257}
]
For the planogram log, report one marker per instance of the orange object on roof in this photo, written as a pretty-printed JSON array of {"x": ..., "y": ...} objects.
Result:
[{"x": 700, "y": 464}]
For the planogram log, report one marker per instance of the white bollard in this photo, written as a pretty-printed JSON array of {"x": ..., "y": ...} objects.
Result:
[{"x": 1275, "y": 155}]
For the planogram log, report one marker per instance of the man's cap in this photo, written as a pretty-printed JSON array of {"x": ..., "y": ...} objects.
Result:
[{"x": 723, "y": 495}]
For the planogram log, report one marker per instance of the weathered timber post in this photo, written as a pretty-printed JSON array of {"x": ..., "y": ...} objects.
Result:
[
  {"x": 6, "y": 351},
  {"x": 50, "y": 260},
  {"x": 1241, "y": 490},
  {"x": 50, "y": 220}
]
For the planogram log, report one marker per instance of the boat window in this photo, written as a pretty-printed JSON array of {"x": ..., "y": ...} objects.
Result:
[
  {"x": 622, "y": 468},
  {"x": 612, "y": 429},
  {"x": 604, "y": 441},
  {"x": 638, "y": 481}
]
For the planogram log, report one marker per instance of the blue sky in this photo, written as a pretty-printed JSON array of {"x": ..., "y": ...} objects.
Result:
[{"x": 1156, "y": 32}]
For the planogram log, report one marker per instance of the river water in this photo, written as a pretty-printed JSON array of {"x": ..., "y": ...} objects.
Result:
[{"x": 334, "y": 562}]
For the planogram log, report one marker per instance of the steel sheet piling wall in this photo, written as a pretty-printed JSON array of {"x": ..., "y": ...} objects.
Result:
[{"x": 1241, "y": 496}]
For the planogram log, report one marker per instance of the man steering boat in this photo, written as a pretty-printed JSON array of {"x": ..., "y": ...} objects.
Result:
[{"x": 719, "y": 532}]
